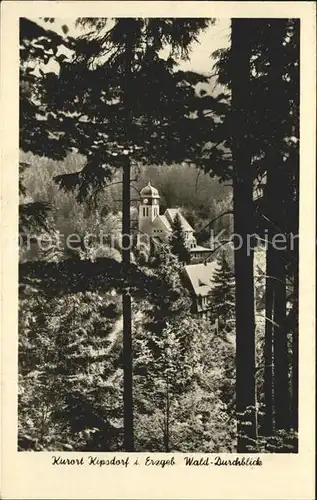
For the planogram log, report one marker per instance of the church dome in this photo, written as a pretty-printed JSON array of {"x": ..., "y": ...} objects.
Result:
[{"x": 149, "y": 191}]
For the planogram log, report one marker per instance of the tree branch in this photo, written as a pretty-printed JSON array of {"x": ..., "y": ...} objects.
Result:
[
  {"x": 228, "y": 212},
  {"x": 120, "y": 182},
  {"x": 223, "y": 243}
]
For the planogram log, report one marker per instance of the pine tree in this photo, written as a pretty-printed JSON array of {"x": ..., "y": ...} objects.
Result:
[
  {"x": 272, "y": 127},
  {"x": 243, "y": 175},
  {"x": 178, "y": 242},
  {"x": 178, "y": 385},
  {"x": 223, "y": 293},
  {"x": 136, "y": 108},
  {"x": 171, "y": 299},
  {"x": 62, "y": 112},
  {"x": 280, "y": 210},
  {"x": 69, "y": 389}
]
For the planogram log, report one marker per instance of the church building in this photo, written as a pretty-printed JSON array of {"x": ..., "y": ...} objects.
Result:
[{"x": 159, "y": 227}]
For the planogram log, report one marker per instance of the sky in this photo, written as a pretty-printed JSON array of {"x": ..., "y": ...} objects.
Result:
[{"x": 214, "y": 38}]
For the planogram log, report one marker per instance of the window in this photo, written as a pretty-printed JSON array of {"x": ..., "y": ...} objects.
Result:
[
  {"x": 143, "y": 211},
  {"x": 147, "y": 211}
]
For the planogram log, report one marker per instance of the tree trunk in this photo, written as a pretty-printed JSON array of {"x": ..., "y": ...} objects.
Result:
[
  {"x": 245, "y": 325},
  {"x": 294, "y": 407},
  {"x": 126, "y": 306},
  {"x": 126, "y": 251},
  {"x": 281, "y": 368},
  {"x": 243, "y": 227},
  {"x": 276, "y": 291},
  {"x": 276, "y": 320},
  {"x": 296, "y": 258},
  {"x": 295, "y": 329},
  {"x": 268, "y": 345},
  {"x": 167, "y": 427},
  {"x": 277, "y": 191}
]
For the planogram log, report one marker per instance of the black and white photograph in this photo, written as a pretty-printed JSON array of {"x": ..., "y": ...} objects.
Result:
[{"x": 159, "y": 235}]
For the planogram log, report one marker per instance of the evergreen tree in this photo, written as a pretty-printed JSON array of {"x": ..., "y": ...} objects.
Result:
[
  {"x": 178, "y": 242},
  {"x": 280, "y": 206},
  {"x": 178, "y": 383},
  {"x": 136, "y": 108},
  {"x": 223, "y": 293},
  {"x": 270, "y": 137},
  {"x": 68, "y": 348},
  {"x": 171, "y": 300},
  {"x": 126, "y": 115},
  {"x": 243, "y": 176}
]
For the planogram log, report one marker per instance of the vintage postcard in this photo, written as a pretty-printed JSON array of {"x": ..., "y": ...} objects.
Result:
[{"x": 158, "y": 250}]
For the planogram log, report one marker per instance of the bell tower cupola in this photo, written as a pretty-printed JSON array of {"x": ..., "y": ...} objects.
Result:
[{"x": 149, "y": 208}]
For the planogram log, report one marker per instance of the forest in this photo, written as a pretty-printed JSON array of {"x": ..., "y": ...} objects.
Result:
[{"x": 111, "y": 357}]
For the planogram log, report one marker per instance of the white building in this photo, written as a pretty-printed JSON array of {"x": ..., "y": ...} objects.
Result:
[
  {"x": 155, "y": 225},
  {"x": 159, "y": 227}
]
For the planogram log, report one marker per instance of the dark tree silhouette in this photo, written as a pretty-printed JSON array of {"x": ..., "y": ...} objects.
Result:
[
  {"x": 119, "y": 104},
  {"x": 223, "y": 292},
  {"x": 243, "y": 226},
  {"x": 271, "y": 139},
  {"x": 280, "y": 208},
  {"x": 178, "y": 242},
  {"x": 134, "y": 107}
]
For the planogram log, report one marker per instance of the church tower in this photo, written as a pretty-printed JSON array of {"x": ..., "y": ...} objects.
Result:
[{"x": 149, "y": 208}]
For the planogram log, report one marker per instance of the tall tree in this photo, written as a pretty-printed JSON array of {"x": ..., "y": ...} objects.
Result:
[
  {"x": 178, "y": 385},
  {"x": 272, "y": 130},
  {"x": 277, "y": 59},
  {"x": 134, "y": 108},
  {"x": 129, "y": 49},
  {"x": 243, "y": 227},
  {"x": 178, "y": 242},
  {"x": 66, "y": 351},
  {"x": 223, "y": 293},
  {"x": 268, "y": 346}
]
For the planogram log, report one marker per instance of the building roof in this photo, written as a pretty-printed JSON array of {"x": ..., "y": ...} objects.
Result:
[
  {"x": 200, "y": 249},
  {"x": 168, "y": 218},
  {"x": 170, "y": 214},
  {"x": 149, "y": 191},
  {"x": 165, "y": 222},
  {"x": 200, "y": 277}
]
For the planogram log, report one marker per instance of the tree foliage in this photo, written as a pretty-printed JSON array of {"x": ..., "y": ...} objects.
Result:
[
  {"x": 179, "y": 390},
  {"x": 67, "y": 350},
  {"x": 122, "y": 107},
  {"x": 164, "y": 126},
  {"x": 223, "y": 293},
  {"x": 178, "y": 241},
  {"x": 268, "y": 131}
]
